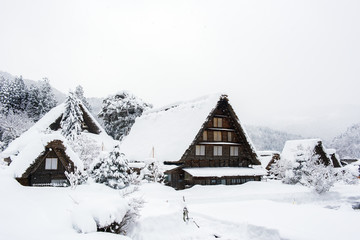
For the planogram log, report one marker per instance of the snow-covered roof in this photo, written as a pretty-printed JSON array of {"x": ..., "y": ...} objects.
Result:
[
  {"x": 33, "y": 149},
  {"x": 168, "y": 130},
  {"x": 42, "y": 127},
  {"x": 295, "y": 149},
  {"x": 225, "y": 171}
]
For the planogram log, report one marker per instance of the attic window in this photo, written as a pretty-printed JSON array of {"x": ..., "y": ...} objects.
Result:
[
  {"x": 205, "y": 136},
  {"x": 229, "y": 136},
  {"x": 217, "y": 122},
  {"x": 200, "y": 150},
  {"x": 51, "y": 163}
]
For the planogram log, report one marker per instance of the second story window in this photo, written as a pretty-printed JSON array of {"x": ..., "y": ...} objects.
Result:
[
  {"x": 217, "y": 136},
  {"x": 229, "y": 137},
  {"x": 217, "y": 150},
  {"x": 200, "y": 150},
  {"x": 51, "y": 163},
  {"x": 218, "y": 122},
  {"x": 205, "y": 136}
]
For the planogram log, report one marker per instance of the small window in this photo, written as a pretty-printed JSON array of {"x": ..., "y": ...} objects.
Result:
[
  {"x": 200, "y": 150},
  {"x": 205, "y": 136},
  {"x": 217, "y": 150},
  {"x": 229, "y": 137},
  {"x": 234, "y": 151},
  {"x": 51, "y": 163},
  {"x": 217, "y": 122},
  {"x": 217, "y": 136}
]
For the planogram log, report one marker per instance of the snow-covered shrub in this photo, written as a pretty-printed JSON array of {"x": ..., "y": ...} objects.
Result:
[
  {"x": 86, "y": 148},
  {"x": 307, "y": 170},
  {"x": 72, "y": 119},
  {"x": 128, "y": 220},
  {"x": 119, "y": 113},
  {"x": 112, "y": 169},
  {"x": 76, "y": 178},
  {"x": 152, "y": 172},
  {"x": 348, "y": 174}
]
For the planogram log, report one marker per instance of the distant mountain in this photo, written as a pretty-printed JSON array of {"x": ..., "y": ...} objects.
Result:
[
  {"x": 265, "y": 138},
  {"x": 347, "y": 144},
  {"x": 59, "y": 96}
]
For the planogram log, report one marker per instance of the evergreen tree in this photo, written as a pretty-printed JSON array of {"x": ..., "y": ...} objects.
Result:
[
  {"x": 13, "y": 95},
  {"x": 41, "y": 100},
  {"x": 79, "y": 92},
  {"x": 112, "y": 170},
  {"x": 119, "y": 113},
  {"x": 72, "y": 119}
]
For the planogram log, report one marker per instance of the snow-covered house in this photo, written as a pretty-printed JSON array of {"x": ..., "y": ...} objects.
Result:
[
  {"x": 200, "y": 142},
  {"x": 304, "y": 150},
  {"x": 267, "y": 158},
  {"x": 334, "y": 157},
  {"x": 42, "y": 154}
]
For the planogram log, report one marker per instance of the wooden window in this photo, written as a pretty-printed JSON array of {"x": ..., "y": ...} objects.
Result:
[
  {"x": 205, "y": 136},
  {"x": 229, "y": 137},
  {"x": 217, "y": 122},
  {"x": 234, "y": 151},
  {"x": 217, "y": 136},
  {"x": 51, "y": 163},
  {"x": 200, "y": 150},
  {"x": 217, "y": 150}
]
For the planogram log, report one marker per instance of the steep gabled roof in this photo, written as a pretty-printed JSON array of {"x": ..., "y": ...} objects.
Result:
[
  {"x": 170, "y": 130},
  {"x": 304, "y": 149},
  {"x": 43, "y": 126},
  {"x": 29, "y": 154}
]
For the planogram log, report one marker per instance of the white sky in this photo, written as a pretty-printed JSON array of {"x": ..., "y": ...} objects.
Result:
[{"x": 290, "y": 65}]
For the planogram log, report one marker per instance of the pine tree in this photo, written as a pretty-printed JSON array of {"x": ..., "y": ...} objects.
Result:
[
  {"x": 119, "y": 113},
  {"x": 13, "y": 95},
  {"x": 72, "y": 119},
  {"x": 112, "y": 170},
  {"x": 79, "y": 92},
  {"x": 41, "y": 100}
]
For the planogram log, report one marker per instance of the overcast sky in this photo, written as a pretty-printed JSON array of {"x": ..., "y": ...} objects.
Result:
[{"x": 290, "y": 65}]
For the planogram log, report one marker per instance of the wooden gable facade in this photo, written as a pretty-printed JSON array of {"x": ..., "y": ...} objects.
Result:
[
  {"x": 221, "y": 144},
  {"x": 49, "y": 167}
]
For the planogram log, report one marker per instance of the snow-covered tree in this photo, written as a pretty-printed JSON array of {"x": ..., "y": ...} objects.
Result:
[
  {"x": 308, "y": 170},
  {"x": 347, "y": 144},
  {"x": 72, "y": 119},
  {"x": 87, "y": 149},
  {"x": 13, "y": 125},
  {"x": 79, "y": 92},
  {"x": 13, "y": 95},
  {"x": 152, "y": 172},
  {"x": 119, "y": 113},
  {"x": 112, "y": 169},
  {"x": 76, "y": 178}
]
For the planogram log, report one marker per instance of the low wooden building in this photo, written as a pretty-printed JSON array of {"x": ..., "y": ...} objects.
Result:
[
  {"x": 200, "y": 142},
  {"x": 267, "y": 158}
]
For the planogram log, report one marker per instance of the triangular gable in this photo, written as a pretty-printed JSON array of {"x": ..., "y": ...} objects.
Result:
[
  {"x": 57, "y": 148},
  {"x": 37, "y": 148},
  {"x": 224, "y": 110}
]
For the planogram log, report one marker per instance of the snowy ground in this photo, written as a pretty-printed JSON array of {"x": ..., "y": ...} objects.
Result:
[{"x": 255, "y": 210}]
